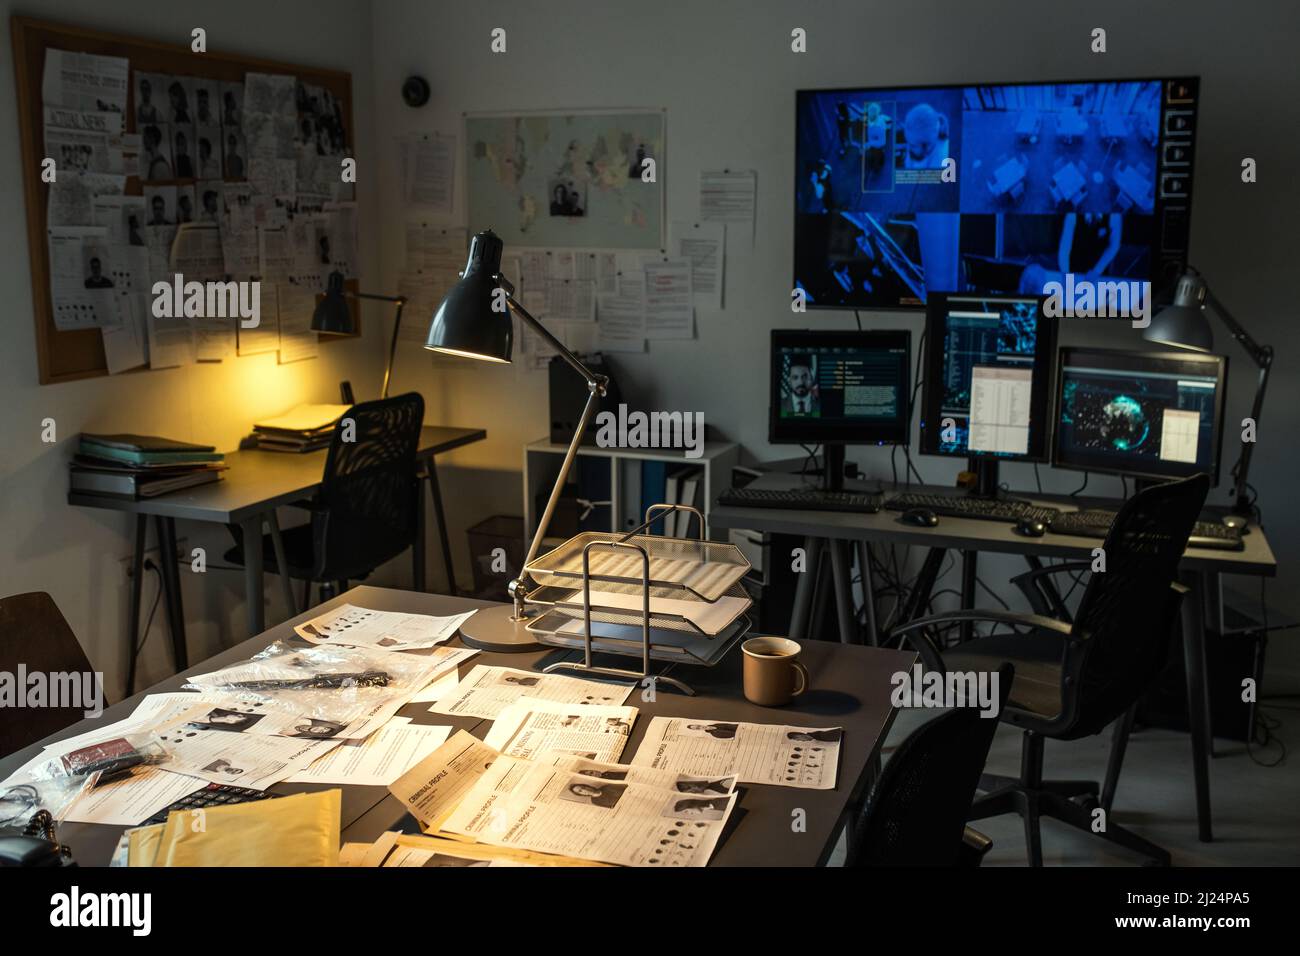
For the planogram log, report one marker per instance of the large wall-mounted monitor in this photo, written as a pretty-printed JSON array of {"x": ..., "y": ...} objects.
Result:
[
  {"x": 1146, "y": 414},
  {"x": 988, "y": 379},
  {"x": 990, "y": 189}
]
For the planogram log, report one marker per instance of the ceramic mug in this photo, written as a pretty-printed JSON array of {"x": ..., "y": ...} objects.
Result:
[{"x": 773, "y": 675}]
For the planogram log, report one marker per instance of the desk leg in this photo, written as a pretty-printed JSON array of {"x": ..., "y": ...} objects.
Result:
[
  {"x": 803, "y": 590},
  {"x": 868, "y": 592},
  {"x": 253, "y": 575},
  {"x": 277, "y": 544},
  {"x": 840, "y": 564},
  {"x": 1193, "y": 615},
  {"x": 419, "y": 545},
  {"x": 969, "y": 565},
  {"x": 137, "y": 588},
  {"x": 171, "y": 575},
  {"x": 436, "y": 493}
]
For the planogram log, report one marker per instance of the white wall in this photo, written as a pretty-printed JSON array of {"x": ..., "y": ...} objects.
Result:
[
  {"x": 726, "y": 75},
  {"x": 76, "y": 553}
]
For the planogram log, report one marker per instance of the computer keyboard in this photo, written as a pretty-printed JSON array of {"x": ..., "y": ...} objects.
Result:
[
  {"x": 1096, "y": 522},
  {"x": 964, "y": 506},
  {"x": 213, "y": 795},
  {"x": 805, "y": 499}
]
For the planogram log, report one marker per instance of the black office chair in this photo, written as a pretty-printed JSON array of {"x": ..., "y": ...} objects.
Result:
[
  {"x": 35, "y": 634},
  {"x": 916, "y": 812},
  {"x": 366, "y": 510},
  {"x": 1074, "y": 679}
]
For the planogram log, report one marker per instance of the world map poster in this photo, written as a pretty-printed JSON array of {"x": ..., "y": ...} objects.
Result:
[{"x": 568, "y": 179}]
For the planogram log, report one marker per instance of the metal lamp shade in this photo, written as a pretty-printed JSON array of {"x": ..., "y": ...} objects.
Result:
[
  {"x": 1183, "y": 322},
  {"x": 332, "y": 315},
  {"x": 466, "y": 323}
]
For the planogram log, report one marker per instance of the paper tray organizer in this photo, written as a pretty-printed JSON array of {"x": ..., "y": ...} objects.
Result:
[{"x": 601, "y": 588}]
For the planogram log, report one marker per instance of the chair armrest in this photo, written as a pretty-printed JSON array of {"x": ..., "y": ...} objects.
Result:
[
  {"x": 1072, "y": 567},
  {"x": 974, "y": 847},
  {"x": 1038, "y": 590},
  {"x": 930, "y": 654}
]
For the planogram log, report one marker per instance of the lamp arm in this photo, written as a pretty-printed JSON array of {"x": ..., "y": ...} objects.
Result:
[
  {"x": 595, "y": 390},
  {"x": 1262, "y": 356},
  {"x": 392, "y": 347}
]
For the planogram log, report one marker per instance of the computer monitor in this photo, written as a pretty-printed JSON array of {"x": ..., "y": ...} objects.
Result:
[
  {"x": 1152, "y": 415},
  {"x": 839, "y": 388},
  {"x": 988, "y": 378},
  {"x": 992, "y": 189}
]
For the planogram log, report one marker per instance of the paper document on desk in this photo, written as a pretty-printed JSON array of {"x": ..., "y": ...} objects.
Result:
[
  {"x": 378, "y": 760},
  {"x": 486, "y": 691},
  {"x": 715, "y": 786},
  {"x": 548, "y": 809},
  {"x": 133, "y": 799},
  {"x": 433, "y": 787},
  {"x": 803, "y": 757},
  {"x": 531, "y": 727},
  {"x": 243, "y": 759},
  {"x": 384, "y": 630}
]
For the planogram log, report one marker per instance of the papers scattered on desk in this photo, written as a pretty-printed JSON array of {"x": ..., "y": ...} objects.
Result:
[
  {"x": 486, "y": 691},
  {"x": 431, "y": 789},
  {"x": 394, "y": 849},
  {"x": 384, "y": 630},
  {"x": 803, "y": 757},
  {"x": 531, "y": 727},
  {"x": 126, "y": 802},
  {"x": 378, "y": 760},
  {"x": 540, "y": 807}
]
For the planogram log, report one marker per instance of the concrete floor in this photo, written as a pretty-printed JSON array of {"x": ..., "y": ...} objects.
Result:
[{"x": 1256, "y": 810}]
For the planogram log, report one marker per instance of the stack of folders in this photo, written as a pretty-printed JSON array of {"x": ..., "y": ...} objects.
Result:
[
  {"x": 141, "y": 466},
  {"x": 306, "y": 428},
  {"x": 671, "y": 484}
]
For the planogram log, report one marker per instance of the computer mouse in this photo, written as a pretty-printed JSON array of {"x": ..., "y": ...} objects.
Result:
[
  {"x": 1235, "y": 521},
  {"x": 1031, "y": 527},
  {"x": 921, "y": 517}
]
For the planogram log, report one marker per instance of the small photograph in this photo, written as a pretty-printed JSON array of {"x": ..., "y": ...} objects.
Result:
[
  {"x": 224, "y": 767},
  {"x": 134, "y": 221},
  {"x": 232, "y": 104},
  {"x": 234, "y": 154},
  {"x": 76, "y": 156},
  {"x": 150, "y": 99},
  {"x": 717, "y": 731},
  {"x": 705, "y": 786},
  {"x": 315, "y": 728},
  {"x": 323, "y": 257},
  {"x": 800, "y": 394},
  {"x": 604, "y": 795},
  {"x": 156, "y": 153},
  {"x": 222, "y": 718},
  {"x": 831, "y": 736},
  {"x": 178, "y": 100},
  {"x": 207, "y": 140},
  {"x": 160, "y": 205},
  {"x": 94, "y": 261},
  {"x": 208, "y": 193},
  {"x": 183, "y": 150},
  {"x": 516, "y": 680},
  {"x": 617, "y": 725},
  {"x": 206, "y": 98},
  {"x": 568, "y": 198},
  {"x": 320, "y": 120},
  {"x": 696, "y": 808},
  {"x": 184, "y": 204},
  {"x": 637, "y": 164}
]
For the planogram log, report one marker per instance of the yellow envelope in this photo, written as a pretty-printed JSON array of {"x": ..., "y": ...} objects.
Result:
[
  {"x": 301, "y": 830},
  {"x": 142, "y": 845}
]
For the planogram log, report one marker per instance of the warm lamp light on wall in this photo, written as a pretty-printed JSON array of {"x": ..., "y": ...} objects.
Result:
[{"x": 474, "y": 322}]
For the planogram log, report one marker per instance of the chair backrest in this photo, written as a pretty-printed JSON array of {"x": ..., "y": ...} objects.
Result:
[
  {"x": 1127, "y": 612},
  {"x": 367, "y": 506},
  {"x": 35, "y": 638},
  {"x": 917, "y": 809}
]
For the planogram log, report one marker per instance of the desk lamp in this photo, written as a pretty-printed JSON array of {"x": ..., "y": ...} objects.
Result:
[
  {"x": 473, "y": 321},
  {"x": 334, "y": 317},
  {"x": 1183, "y": 324}
]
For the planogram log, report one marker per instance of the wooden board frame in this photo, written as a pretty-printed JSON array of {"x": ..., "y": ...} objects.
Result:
[{"x": 65, "y": 356}]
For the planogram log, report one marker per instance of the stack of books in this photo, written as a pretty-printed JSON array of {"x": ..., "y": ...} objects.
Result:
[
  {"x": 306, "y": 428},
  {"x": 142, "y": 466}
]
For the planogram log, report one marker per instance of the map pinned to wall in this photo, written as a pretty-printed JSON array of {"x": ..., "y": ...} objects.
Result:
[{"x": 576, "y": 179}]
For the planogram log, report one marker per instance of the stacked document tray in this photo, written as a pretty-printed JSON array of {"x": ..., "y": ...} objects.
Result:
[{"x": 697, "y": 606}]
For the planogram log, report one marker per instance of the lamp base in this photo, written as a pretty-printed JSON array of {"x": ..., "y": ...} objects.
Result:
[{"x": 492, "y": 629}]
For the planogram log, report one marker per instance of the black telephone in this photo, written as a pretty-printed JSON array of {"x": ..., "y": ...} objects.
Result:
[{"x": 21, "y": 850}]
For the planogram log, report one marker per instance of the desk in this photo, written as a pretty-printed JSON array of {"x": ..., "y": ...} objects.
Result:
[
  {"x": 255, "y": 484},
  {"x": 1200, "y": 568},
  {"x": 851, "y": 687}
]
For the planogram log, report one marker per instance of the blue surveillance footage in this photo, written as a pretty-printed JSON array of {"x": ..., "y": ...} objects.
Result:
[{"x": 997, "y": 189}]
